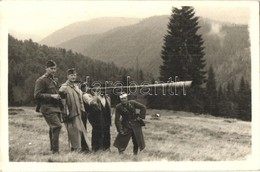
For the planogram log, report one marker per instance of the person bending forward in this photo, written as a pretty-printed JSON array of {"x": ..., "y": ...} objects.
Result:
[{"x": 129, "y": 124}]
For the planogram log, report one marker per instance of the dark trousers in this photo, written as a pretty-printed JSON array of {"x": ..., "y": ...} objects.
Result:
[
  {"x": 84, "y": 145},
  {"x": 122, "y": 141},
  {"x": 106, "y": 140},
  {"x": 135, "y": 148},
  {"x": 100, "y": 137},
  {"x": 54, "y": 122},
  {"x": 97, "y": 138}
]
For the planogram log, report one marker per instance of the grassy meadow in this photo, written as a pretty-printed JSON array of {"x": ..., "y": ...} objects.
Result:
[{"x": 175, "y": 136}]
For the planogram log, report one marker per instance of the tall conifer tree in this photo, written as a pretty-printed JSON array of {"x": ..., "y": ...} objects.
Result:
[
  {"x": 244, "y": 100},
  {"x": 183, "y": 56}
]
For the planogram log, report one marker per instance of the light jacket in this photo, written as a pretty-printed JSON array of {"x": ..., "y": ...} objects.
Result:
[{"x": 73, "y": 105}]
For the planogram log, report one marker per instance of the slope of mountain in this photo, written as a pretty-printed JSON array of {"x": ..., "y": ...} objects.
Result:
[
  {"x": 134, "y": 45},
  {"x": 139, "y": 45},
  {"x": 23, "y": 36},
  {"x": 26, "y": 62},
  {"x": 228, "y": 51},
  {"x": 98, "y": 25}
]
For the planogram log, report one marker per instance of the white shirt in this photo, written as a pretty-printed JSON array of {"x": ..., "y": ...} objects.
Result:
[
  {"x": 103, "y": 101},
  {"x": 87, "y": 98}
]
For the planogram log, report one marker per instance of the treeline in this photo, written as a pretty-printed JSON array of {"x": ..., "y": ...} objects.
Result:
[
  {"x": 183, "y": 57},
  {"x": 27, "y": 59},
  {"x": 220, "y": 101}
]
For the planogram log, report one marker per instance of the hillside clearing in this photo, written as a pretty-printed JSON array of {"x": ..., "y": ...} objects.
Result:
[{"x": 175, "y": 136}]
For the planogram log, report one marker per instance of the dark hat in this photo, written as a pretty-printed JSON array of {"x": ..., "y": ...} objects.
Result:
[
  {"x": 83, "y": 84},
  {"x": 50, "y": 63},
  {"x": 71, "y": 71}
]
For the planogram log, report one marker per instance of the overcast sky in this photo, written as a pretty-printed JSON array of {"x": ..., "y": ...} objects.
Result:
[{"x": 44, "y": 17}]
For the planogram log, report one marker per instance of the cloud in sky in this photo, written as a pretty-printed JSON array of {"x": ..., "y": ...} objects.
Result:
[{"x": 44, "y": 17}]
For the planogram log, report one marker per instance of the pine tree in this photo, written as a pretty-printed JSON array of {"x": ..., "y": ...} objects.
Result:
[
  {"x": 211, "y": 93},
  {"x": 183, "y": 56},
  {"x": 221, "y": 98},
  {"x": 231, "y": 95},
  {"x": 244, "y": 100},
  {"x": 220, "y": 93}
]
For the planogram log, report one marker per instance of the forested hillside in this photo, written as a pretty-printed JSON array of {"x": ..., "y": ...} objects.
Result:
[
  {"x": 129, "y": 46},
  {"x": 98, "y": 25},
  {"x": 227, "y": 92},
  {"x": 183, "y": 55},
  {"x": 227, "y": 49},
  {"x": 139, "y": 45},
  {"x": 27, "y": 62}
]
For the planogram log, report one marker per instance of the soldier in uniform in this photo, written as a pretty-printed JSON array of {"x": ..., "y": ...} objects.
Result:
[
  {"x": 73, "y": 109},
  {"x": 49, "y": 103},
  {"x": 129, "y": 124}
]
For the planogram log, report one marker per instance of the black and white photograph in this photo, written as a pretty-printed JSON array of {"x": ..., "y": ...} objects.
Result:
[{"x": 129, "y": 85}]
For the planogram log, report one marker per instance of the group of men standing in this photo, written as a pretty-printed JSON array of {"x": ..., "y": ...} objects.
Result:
[{"x": 73, "y": 105}]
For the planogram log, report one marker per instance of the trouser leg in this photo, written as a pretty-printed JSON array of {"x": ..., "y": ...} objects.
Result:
[
  {"x": 106, "y": 138},
  {"x": 121, "y": 141},
  {"x": 135, "y": 147},
  {"x": 84, "y": 145},
  {"x": 50, "y": 137},
  {"x": 74, "y": 135},
  {"x": 95, "y": 139},
  {"x": 54, "y": 122},
  {"x": 55, "y": 139}
]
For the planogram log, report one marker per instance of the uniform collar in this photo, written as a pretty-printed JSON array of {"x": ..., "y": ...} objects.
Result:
[
  {"x": 125, "y": 104},
  {"x": 48, "y": 75},
  {"x": 71, "y": 84}
]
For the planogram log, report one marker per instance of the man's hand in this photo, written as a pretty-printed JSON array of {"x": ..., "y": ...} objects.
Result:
[
  {"x": 56, "y": 96},
  {"x": 94, "y": 101},
  {"x": 123, "y": 133}
]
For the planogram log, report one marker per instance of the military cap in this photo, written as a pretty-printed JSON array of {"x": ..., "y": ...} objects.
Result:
[
  {"x": 50, "y": 63},
  {"x": 71, "y": 71}
]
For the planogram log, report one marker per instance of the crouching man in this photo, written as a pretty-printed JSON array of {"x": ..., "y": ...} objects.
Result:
[{"x": 129, "y": 124}]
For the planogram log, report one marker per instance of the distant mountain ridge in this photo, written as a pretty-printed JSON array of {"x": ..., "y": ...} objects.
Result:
[
  {"x": 127, "y": 46},
  {"x": 139, "y": 46},
  {"x": 95, "y": 26}
]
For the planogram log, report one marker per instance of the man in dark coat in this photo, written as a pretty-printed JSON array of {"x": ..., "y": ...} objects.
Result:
[
  {"x": 129, "y": 124},
  {"x": 99, "y": 116},
  {"x": 49, "y": 103}
]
